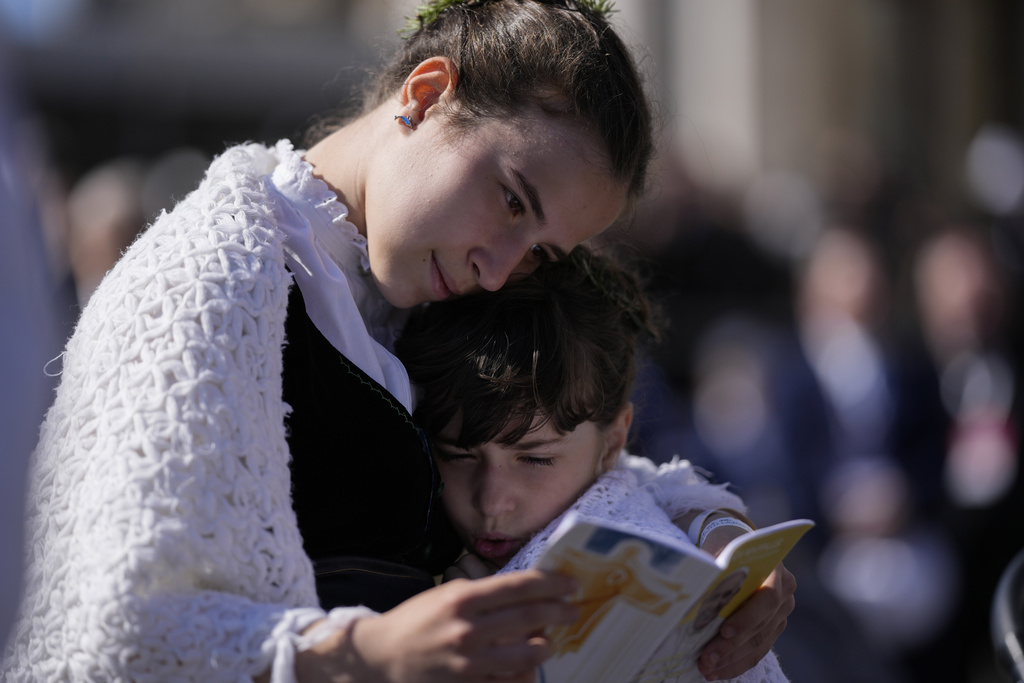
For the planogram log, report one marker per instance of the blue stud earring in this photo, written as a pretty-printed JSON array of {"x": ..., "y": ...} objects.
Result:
[{"x": 406, "y": 120}]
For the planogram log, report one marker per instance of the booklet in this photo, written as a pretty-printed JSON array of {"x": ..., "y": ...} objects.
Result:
[{"x": 647, "y": 607}]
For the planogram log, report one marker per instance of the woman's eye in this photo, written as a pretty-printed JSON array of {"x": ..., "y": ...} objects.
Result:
[
  {"x": 515, "y": 204},
  {"x": 540, "y": 253}
]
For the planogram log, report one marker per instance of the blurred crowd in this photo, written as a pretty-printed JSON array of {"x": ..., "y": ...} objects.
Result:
[{"x": 840, "y": 350}]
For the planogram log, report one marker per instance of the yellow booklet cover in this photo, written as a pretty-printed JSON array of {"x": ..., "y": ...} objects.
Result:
[{"x": 647, "y": 607}]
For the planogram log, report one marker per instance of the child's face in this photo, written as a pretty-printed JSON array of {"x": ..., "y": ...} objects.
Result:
[
  {"x": 451, "y": 216},
  {"x": 499, "y": 496}
]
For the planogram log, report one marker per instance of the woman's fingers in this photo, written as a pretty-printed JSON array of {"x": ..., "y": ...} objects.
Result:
[
  {"x": 512, "y": 608},
  {"x": 517, "y": 588},
  {"x": 522, "y": 622},
  {"x": 510, "y": 660}
]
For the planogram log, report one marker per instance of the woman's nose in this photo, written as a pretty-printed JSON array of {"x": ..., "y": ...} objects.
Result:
[{"x": 495, "y": 264}]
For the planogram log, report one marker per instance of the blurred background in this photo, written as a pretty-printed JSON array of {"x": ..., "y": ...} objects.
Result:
[{"x": 835, "y": 229}]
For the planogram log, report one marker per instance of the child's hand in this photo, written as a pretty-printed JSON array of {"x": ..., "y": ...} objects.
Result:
[
  {"x": 750, "y": 631},
  {"x": 469, "y": 566}
]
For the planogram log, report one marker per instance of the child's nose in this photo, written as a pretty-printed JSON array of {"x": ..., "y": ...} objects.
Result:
[{"x": 495, "y": 495}]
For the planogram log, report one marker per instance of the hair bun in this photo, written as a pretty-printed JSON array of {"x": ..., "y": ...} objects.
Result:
[{"x": 428, "y": 12}]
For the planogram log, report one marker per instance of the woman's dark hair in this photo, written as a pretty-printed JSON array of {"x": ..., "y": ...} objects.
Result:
[
  {"x": 560, "y": 342},
  {"x": 557, "y": 54}
]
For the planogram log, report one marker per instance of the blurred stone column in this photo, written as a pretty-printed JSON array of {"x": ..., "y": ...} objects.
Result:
[
  {"x": 949, "y": 47},
  {"x": 749, "y": 86},
  {"x": 711, "y": 53}
]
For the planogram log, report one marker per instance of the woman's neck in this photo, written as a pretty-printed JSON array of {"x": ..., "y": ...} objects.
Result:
[{"x": 342, "y": 160}]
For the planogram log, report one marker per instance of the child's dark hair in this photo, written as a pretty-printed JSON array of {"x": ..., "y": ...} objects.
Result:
[
  {"x": 560, "y": 343},
  {"x": 558, "y": 54}
]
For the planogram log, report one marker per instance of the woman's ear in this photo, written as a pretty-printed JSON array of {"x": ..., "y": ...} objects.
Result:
[
  {"x": 615, "y": 436},
  {"x": 432, "y": 80}
]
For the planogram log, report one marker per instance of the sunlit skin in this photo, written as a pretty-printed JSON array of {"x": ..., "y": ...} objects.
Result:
[
  {"x": 499, "y": 496},
  {"x": 449, "y": 213}
]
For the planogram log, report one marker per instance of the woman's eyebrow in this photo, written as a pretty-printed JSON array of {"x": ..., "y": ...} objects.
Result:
[{"x": 532, "y": 196}]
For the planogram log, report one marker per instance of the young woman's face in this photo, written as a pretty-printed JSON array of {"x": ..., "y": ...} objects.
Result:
[
  {"x": 448, "y": 215},
  {"x": 499, "y": 496}
]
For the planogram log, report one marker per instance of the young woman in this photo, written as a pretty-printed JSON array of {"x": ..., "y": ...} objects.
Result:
[
  {"x": 525, "y": 395},
  {"x": 189, "y": 470}
]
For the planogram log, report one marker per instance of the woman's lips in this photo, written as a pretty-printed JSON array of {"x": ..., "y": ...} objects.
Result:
[
  {"x": 498, "y": 549},
  {"x": 440, "y": 284}
]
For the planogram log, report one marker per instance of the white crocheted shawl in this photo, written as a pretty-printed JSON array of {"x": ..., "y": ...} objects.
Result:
[{"x": 162, "y": 543}]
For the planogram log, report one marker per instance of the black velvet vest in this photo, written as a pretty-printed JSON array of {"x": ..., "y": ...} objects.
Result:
[{"x": 363, "y": 480}]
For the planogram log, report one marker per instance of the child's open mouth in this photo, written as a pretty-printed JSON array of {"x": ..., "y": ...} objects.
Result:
[{"x": 497, "y": 549}]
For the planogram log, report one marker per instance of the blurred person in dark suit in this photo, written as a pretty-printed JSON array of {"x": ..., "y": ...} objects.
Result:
[{"x": 962, "y": 299}]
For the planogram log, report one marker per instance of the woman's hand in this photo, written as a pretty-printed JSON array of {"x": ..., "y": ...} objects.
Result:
[
  {"x": 749, "y": 632},
  {"x": 460, "y": 631}
]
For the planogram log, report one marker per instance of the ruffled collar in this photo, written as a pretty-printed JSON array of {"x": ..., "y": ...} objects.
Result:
[{"x": 338, "y": 236}]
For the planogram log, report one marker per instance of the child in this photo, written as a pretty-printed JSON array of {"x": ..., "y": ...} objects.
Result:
[{"x": 526, "y": 396}]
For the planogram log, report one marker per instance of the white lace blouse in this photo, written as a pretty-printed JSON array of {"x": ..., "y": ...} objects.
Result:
[{"x": 328, "y": 258}]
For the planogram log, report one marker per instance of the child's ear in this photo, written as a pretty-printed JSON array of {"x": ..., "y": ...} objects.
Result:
[
  {"x": 615, "y": 436},
  {"x": 431, "y": 80}
]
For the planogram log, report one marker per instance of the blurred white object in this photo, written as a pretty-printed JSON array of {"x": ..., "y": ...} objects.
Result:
[
  {"x": 902, "y": 589},
  {"x": 783, "y": 213},
  {"x": 995, "y": 169}
]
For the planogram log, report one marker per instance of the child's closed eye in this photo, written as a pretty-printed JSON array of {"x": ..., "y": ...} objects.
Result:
[
  {"x": 537, "y": 461},
  {"x": 447, "y": 455}
]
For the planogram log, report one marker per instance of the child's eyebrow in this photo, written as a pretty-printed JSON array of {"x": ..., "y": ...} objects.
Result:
[{"x": 525, "y": 445}]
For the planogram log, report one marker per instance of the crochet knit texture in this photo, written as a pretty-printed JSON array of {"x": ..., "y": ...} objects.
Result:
[{"x": 162, "y": 543}]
